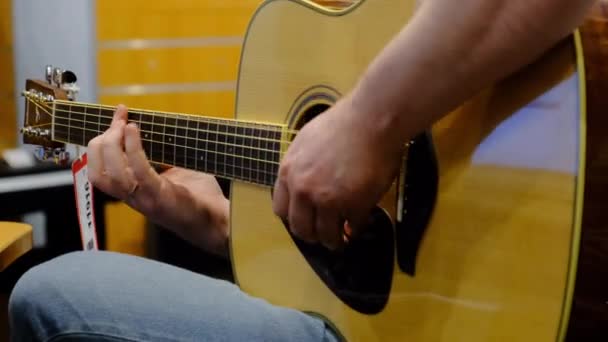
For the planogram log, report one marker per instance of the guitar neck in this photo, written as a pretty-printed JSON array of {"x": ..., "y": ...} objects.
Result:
[{"x": 222, "y": 147}]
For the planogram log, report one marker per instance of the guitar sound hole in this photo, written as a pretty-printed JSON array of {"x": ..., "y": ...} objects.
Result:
[{"x": 361, "y": 274}]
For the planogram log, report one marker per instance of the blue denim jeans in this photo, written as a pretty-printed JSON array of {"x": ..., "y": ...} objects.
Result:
[{"x": 105, "y": 296}]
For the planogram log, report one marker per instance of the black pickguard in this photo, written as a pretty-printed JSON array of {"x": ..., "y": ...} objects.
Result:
[
  {"x": 420, "y": 195},
  {"x": 361, "y": 274}
]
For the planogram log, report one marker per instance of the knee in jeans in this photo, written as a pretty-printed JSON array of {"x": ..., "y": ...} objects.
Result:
[{"x": 40, "y": 286}]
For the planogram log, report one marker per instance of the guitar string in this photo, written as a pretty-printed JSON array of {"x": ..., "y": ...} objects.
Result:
[
  {"x": 218, "y": 163},
  {"x": 168, "y": 144},
  {"x": 263, "y": 182},
  {"x": 255, "y": 126},
  {"x": 172, "y": 136},
  {"x": 266, "y": 180},
  {"x": 249, "y": 174},
  {"x": 163, "y": 133},
  {"x": 252, "y": 177},
  {"x": 158, "y": 124},
  {"x": 258, "y": 170},
  {"x": 272, "y": 126},
  {"x": 253, "y": 138}
]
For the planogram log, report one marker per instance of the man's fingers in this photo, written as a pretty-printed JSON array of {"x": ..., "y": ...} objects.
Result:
[
  {"x": 120, "y": 114},
  {"x": 114, "y": 159},
  {"x": 144, "y": 174},
  {"x": 357, "y": 221},
  {"x": 280, "y": 200},
  {"x": 95, "y": 164},
  {"x": 329, "y": 228},
  {"x": 301, "y": 218}
]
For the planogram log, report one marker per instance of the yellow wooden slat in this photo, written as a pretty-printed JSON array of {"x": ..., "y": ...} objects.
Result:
[
  {"x": 5, "y": 23},
  {"x": 125, "y": 229},
  {"x": 8, "y": 130},
  {"x": 220, "y": 104},
  {"x": 120, "y": 22},
  {"x": 123, "y": 67},
  {"x": 171, "y": 19}
]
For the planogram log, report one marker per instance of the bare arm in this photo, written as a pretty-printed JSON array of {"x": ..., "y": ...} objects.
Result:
[
  {"x": 453, "y": 49},
  {"x": 445, "y": 55},
  {"x": 189, "y": 203}
]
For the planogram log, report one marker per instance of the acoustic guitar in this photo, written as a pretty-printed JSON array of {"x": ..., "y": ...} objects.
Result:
[{"x": 497, "y": 216}]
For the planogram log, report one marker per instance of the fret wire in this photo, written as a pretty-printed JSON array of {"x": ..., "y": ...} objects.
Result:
[
  {"x": 175, "y": 143},
  {"x": 275, "y": 127},
  {"x": 215, "y": 144},
  {"x": 245, "y": 136},
  {"x": 227, "y": 138},
  {"x": 243, "y": 180},
  {"x": 257, "y": 165},
  {"x": 164, "y": 136},
  {"x": 213, "y": 152},
  {"x": 99, "y": 119},
  {"x": 188, "y": 143},
  {"x": 84, "y": 123},
  {"x": 86, "y": 128},
  {"x": 225, "y": 147},
  {"x": 242, "y": 125},
  {"x": 253, "y": 148},
  {"x": 153, "y": 161},
  {"x": 261, "y": 126},
  {"x": 198, "y": 123},
  {"x": 238, "y": 151},
  {"x": 263, "y": 145}
]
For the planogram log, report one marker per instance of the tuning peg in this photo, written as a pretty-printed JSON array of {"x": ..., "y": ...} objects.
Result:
[{"x": 48, "y": 74}]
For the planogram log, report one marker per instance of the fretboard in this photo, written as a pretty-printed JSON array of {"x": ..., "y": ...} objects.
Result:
[{"x": 225, "y": 148}]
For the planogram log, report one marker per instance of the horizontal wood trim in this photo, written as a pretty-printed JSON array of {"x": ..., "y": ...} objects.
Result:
[
  {"x": 220, "y": 104},
  {"x": 173, "y": 88},
  {"x": 172, "y": 19},
  {"x": 175, "y": 65},
  {"x": 167, "y": 43}
]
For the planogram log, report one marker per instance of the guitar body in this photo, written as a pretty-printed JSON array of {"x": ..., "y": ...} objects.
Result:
[{"x": 487, "y": 252}]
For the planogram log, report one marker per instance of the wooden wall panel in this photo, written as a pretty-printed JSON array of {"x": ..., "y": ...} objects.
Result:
[
  {"x": 149, "y": 45},
  {"x": 209, "y": 103},
  {"x": 153, "y": 19},
  {"x": 168, "y": 65},
  {"x": 8, "y": 130}
]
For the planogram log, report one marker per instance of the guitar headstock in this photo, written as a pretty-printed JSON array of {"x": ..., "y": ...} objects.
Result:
[{"x": 40, "y": 97}]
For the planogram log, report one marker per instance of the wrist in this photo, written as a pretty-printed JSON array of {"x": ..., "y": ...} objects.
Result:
[{"x": 383, "y": 124}]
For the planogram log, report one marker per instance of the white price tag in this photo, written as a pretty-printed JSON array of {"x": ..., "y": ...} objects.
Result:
[{"x": 83, "y": 190}]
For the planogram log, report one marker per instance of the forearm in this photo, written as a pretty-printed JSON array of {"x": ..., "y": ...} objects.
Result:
[
  {"x": 201, "y": 221},
  {"x": 451, "y": 50}
]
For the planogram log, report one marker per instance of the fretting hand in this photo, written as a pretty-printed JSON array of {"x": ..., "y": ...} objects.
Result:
[{"x": 187, "y": 202}]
